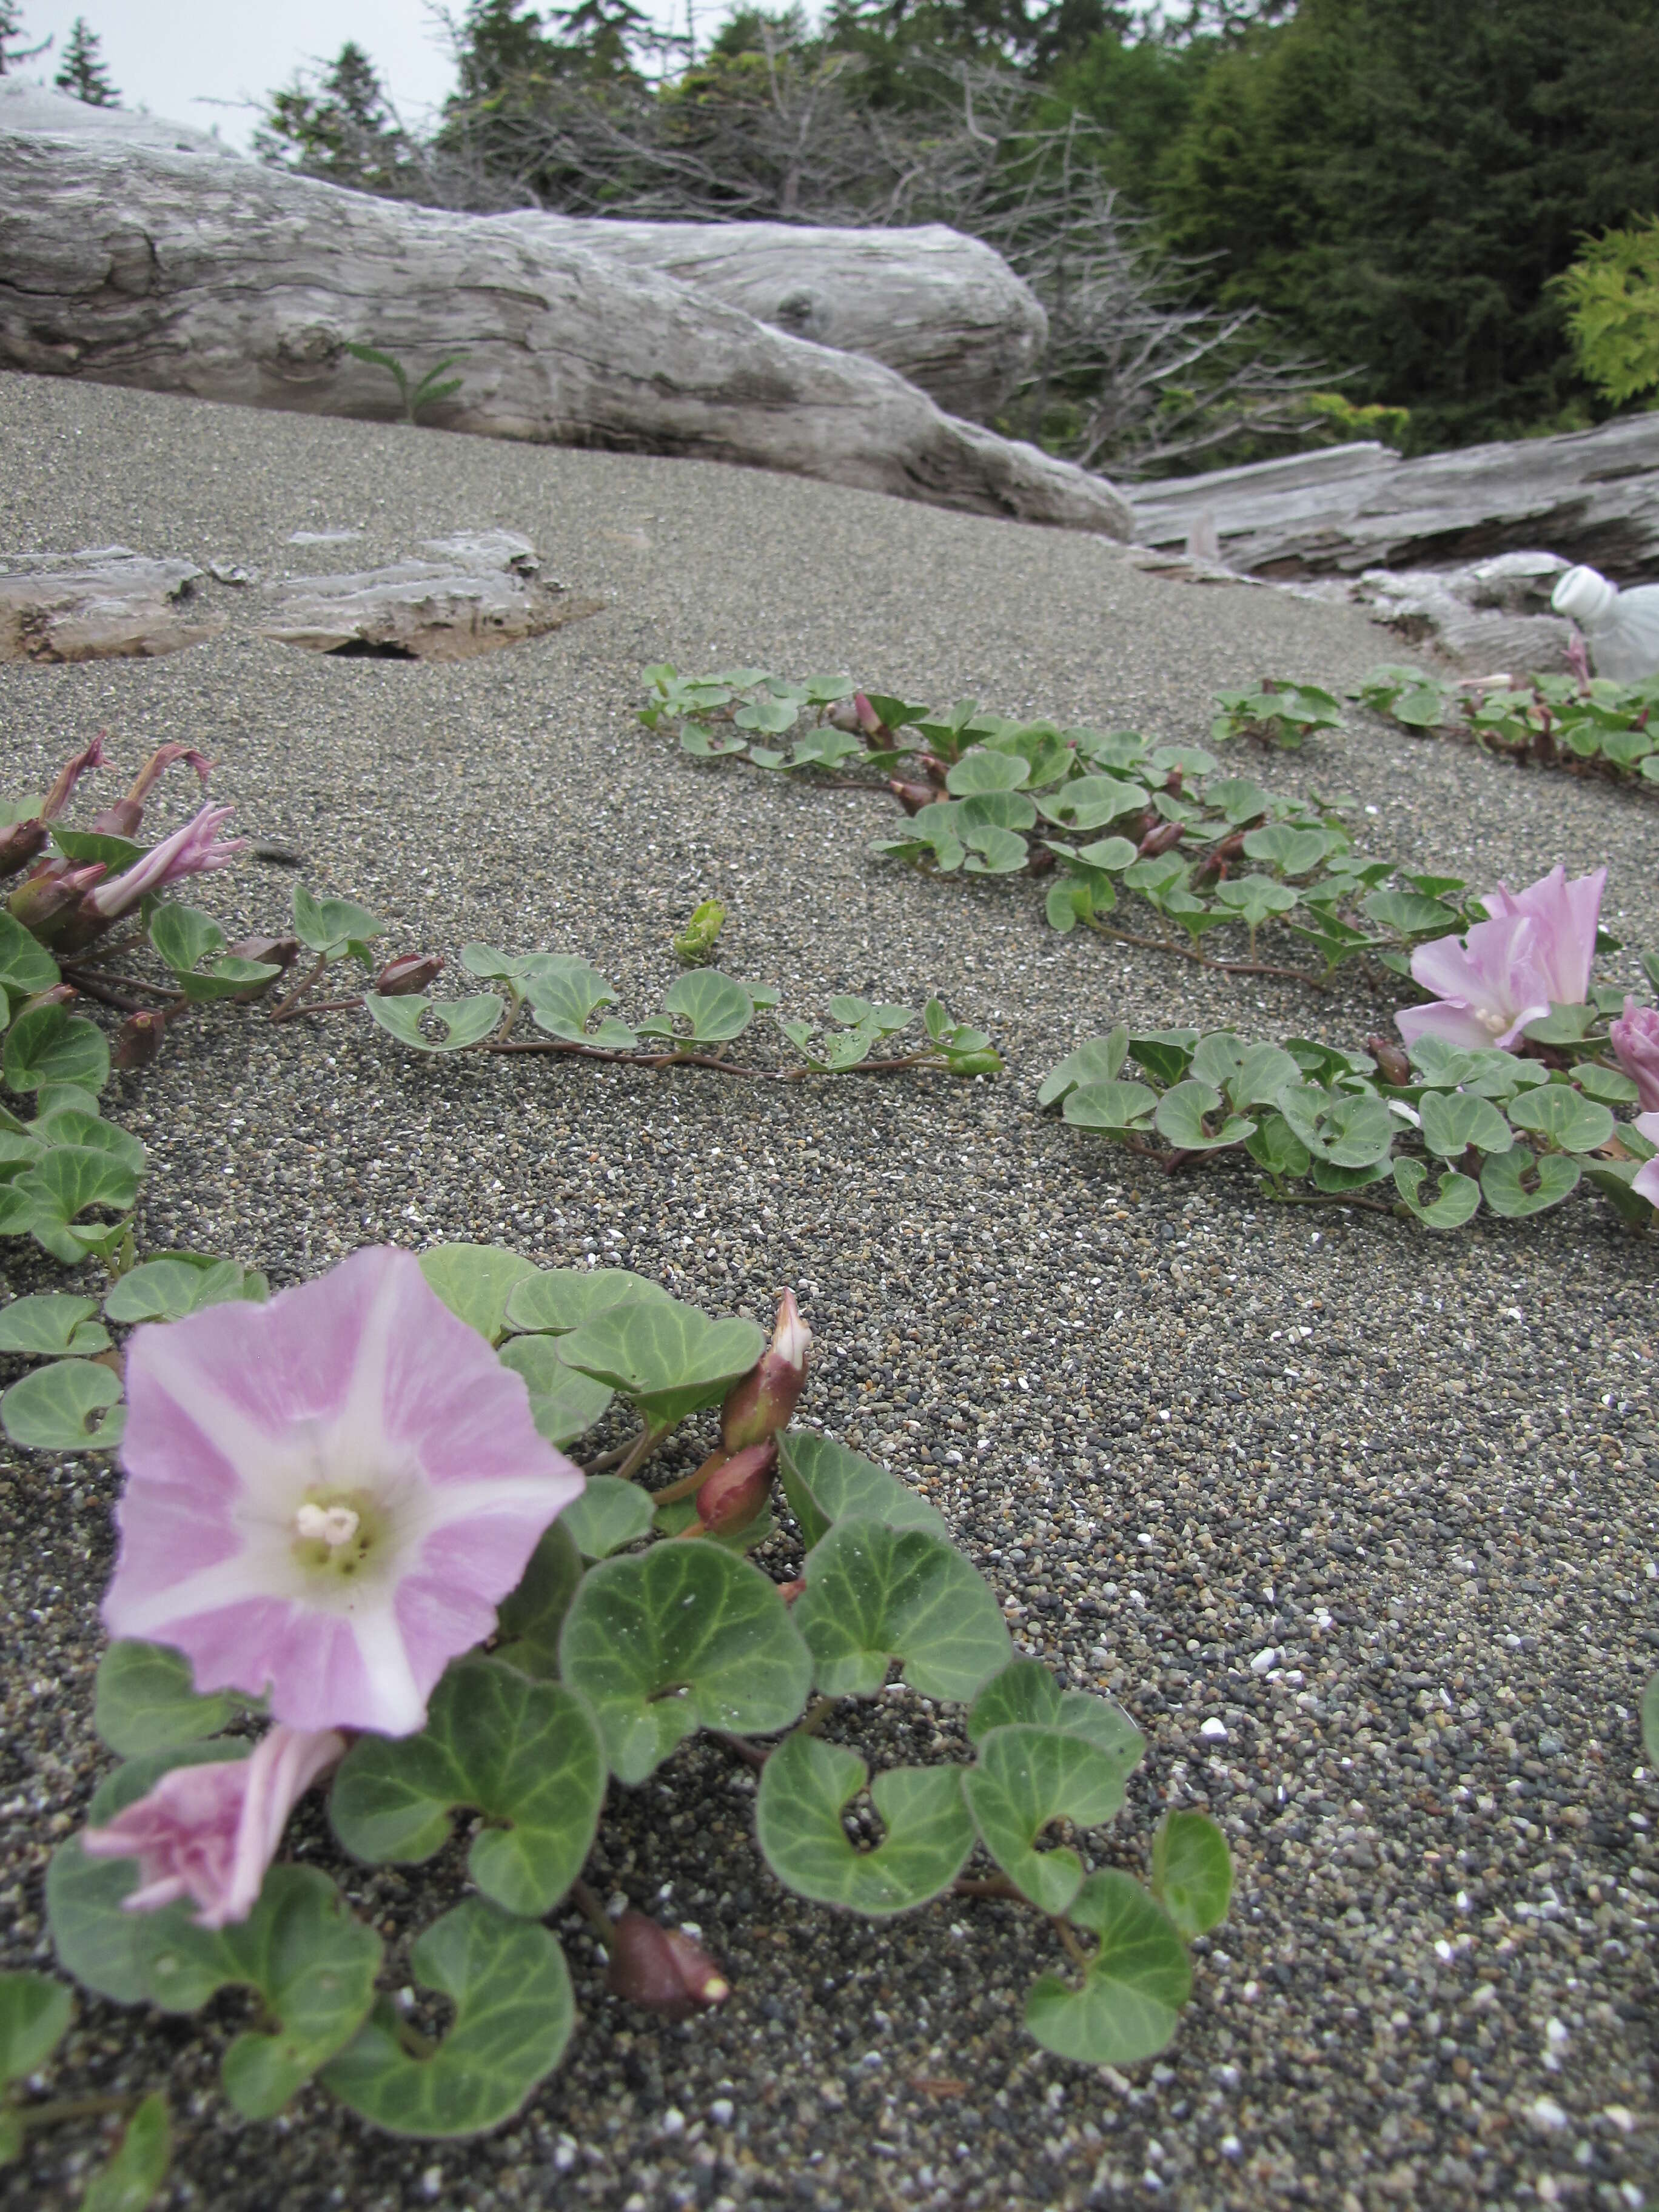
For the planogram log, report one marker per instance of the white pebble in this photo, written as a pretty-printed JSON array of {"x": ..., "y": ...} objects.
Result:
[{"x": 1545, "y": 2113}]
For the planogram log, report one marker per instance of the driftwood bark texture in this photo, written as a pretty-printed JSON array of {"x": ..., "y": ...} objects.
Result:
[
  {"x": 946, "y": 311},
  {"x": 1591, "y": 495},
  {"x": 475, "y": 593},
  {"x": 102, "y": 605},
  {"x": 185, "y": 272}
]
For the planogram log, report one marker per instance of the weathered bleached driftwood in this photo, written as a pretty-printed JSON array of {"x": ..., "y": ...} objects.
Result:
[
  {"x": 26, "y": 106},
  {"x": 1493, "y": 615},
  {"x": 100, "y": 605},
  {"x": 946, "y": 311},
  {"x": 483, "y": 590},
  {"x": 182, "y": 272},
  {"x": 1591, "y": 495}
]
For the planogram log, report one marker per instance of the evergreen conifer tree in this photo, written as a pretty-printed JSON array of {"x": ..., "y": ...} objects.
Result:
[
  {"x": 82, "y": 73},
  {"x": 12, "y": 49}
]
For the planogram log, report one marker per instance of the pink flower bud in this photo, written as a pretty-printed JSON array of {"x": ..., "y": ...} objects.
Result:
[
  {"x": 737, "y": 1489},
  {"x": 138, "y": 1040},
  {"x": 1392, "y": 1063},
  {"x": 911, "y": 796},
  {"x": 1635, "y": 1040},
  {"x": 19, "y": 843},
  {"x": 869, "y": 722},
  {"x": 659, "y": 1966},
  {"x": 762, "y": 1402},
  {"x": 68, "y": 775},
  {"x": 45, "y": 902},
  {"x": 409, "y": 973}
]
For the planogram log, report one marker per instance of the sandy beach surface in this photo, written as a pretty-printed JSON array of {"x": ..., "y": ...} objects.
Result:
[{"x": 1177, "y": 1426}]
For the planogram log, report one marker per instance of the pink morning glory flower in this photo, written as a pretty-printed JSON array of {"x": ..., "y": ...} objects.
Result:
[
  {"x": 327, "y": 1496},
  {"x": 1534, "y": 951},
  {"x": 1645, "y": 1181},
  {"x": 190, "y": 851},
  {"x": 1567, "y": 914},
  {"x": 1635, "y": 1040},
  {"x": 209, "y": 1832}
]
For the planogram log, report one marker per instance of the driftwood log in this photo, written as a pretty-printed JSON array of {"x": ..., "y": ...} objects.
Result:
[
  {"x": 476, "y": 593},
  {"x": 185, "y": 272},
  {"x": 105, "y": 604},
  {"x": 1590, "y": 496},
  {"x": 946, "y": 311}
]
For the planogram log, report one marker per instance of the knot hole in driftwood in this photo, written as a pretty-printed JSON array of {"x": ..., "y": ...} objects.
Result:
[{"x": 134, "y": 269}]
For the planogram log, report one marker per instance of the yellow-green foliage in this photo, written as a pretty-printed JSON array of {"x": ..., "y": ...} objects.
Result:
[
  {"x": 1389, "y": 424},
  {"x": 1612, "y": 292}
]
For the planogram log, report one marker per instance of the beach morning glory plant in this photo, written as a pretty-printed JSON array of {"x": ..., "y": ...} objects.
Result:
[
  {"x": 354, "y": 1557},
  {"x": 1534, "y": 951}
]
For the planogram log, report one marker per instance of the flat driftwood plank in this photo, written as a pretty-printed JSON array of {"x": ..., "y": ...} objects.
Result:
[{"x": 184, "y": 272}]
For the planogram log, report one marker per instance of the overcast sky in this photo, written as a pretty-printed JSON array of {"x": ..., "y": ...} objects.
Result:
[{"x": 177, "y": 56}]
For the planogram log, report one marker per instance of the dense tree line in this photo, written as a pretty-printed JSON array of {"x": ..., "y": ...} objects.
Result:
[{"x": 1228, "y": 211}]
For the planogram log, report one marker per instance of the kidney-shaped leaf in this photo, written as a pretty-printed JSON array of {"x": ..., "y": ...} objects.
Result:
[
  {"x": 980, "y": 770},
  {"x": 462, "y": 1021},
  {"x": 1025, "y": 1694},
  {"x": 180, "y": 1283},
  {"x": 826, "y": 1483},
  {"x": 564, "y": 1404},
  {"x": 1096, "y": 1062},
  {"x": 1563, "y": 1115},
  {"x": 682, "y": 1636},
  {"x": 1181, "y": 1118},
  {"x": 143, "y": 1700},
  {"x": 668, "y": 1358},
  {"x": 1454, "y": 1120},
  {"x": 1456, "y": 1203},
  {"x": 1133, "y": 1987},
  {"x": 610, "y": 1514},
  {"x": 530, "y": 1617},
  {"x": 1192, "y": 1872},
  {"x": 554, "y": 1300},
  {"x": 1522, "y": 1181},
  {"x": 48, "y": 1045},
  {"x": 35, "y": 2010},
  {"x": 875, "y": 1594},
  {"x": 55, "y": 1409},
  {"x": 1026, "y": 1778},
  {"x": 1110, "y": 1106},
  {"x": 475, "y": 1281},
  {"x": 806, "y": 1784},
  {"x": 514, "y": 2011},
  {"x": 522, "y": 1753},
  {"x": 714, "y": 1008},
  {"x": 50, "y": 1324}
]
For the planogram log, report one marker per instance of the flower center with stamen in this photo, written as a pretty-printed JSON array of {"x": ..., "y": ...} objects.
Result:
[
  {"x": 336, "y": 1531},
  {"x": 1490, "y": 1021}
]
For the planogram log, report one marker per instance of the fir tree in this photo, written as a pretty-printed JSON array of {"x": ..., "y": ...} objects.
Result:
[
  {"x": 341, "y": 127},
  {"x": 84, "y": 74},
  {"x": 12, "y": 49}
]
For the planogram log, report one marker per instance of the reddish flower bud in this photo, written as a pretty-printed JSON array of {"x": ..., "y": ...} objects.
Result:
[
  {"x": 45, "y": 902},
  {"x": 410, "y": 972},
  {"x": 911, "y": 796},
  {"x": 1173, "y": 781},
  {"x": 68, "y": 775},
  {"x": 869, "y": 722},
  {"x": 762, "y": 1403},
  {"x": 269, "y": 952},
  {"x": 19, "y": 843},
  {"x": 1392, "y": 1064},
  {"x": 59, "y": 994},
  {"x": 661, "y": 1967},
  {"x": 138, "y": 1040},
  {"x": 737, "y": 1489},
  {"x": 1160, "y": 840}
]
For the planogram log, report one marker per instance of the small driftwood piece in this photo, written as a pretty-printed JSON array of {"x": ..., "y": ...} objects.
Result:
[
  {"x": 185, "y": 272},
  {"x": 483, "y": 590},
  {"x": 105, "y": 605},
  {"x": 944, "y": 310},
  {"x": 1590, "y": 496}
]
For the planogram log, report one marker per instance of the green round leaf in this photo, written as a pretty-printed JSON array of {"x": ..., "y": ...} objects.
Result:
[
  {"x": 1110, "y": 1106},
  {"x": 564, "y": 1404},
  {"x": 144, "y": 1700},
  {"x": 1276, "y": 1147},
  {"x": 183, "y": 936},
  {"x": 564, "y": 995},
  {"x": 1025, "y": 1694},
  {"x": 1192, "y": 1872},
  {"x": 135, "y": 2170},
  {"x": 824, "y": 1483},
  {"x": 475, "y": 1282},
  {"x": 523, "y": 1753},
  {"x": 182, "y": 1283},
  {"x": 668, "y": 1358},
  {"x": 330, "y": 925},
  {"x": 1292, "y": 851},
  {"x": 1455, "y": 1119},
  {"x": 48, "y": 1045},
  {"x": 530, "y": 1617},
  {"x": 1522, "y": 1181},
  {"x": 806, "y": 1784},
  {"x": 515, "y": 2012},
  {"x": 1133, "y": 1987},
  {"x": 980, "y": 770},
  {"x": 1254, "y": 898},
  {"x": 994, "y": 852},
  {"x": 1457, "y": 1201},
  {"x": 874, "y": 1595},
  {"x": 1408, "y": 915},
  {"x": 682, "y": 1636},
  {"x": 1096, "y": 1062},
  {"x": 34, "y": 2011},
  {"x": 462, "y": 1021},
  {"x": 49, "y": 1325},
  {"x": 713, "y": 1007},
  {"x": 554, "y": 1300},
  {"x": 55, "y": 1409},
  {"x": 26, "y": 966},
  {"x": 1571, "y": 1121},
  {"x": 1181, "y": 1118},
  {"x": 609, "y": 1514},
  {"x": 1089, "y": 802},
  {"x": 1027, "y": 1776}
]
